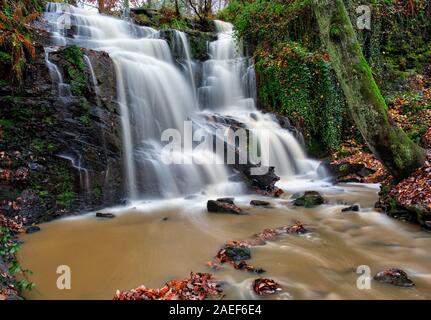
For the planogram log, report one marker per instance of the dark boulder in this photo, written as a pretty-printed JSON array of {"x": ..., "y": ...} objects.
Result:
[
  {"x": 354, "y": 207},
  {"x": 32, "y": 229},
  {"x": 105, "y": 215},
  {"x": 222, "y": 207},
  {"x": 260, "y": 203},
  {"x": 344, "y": 169},
  {"x": 309, "y": 199},
  {"x": 285, "y": 123},
  {"x": 394, "y": 276},
  {"x": 348, "y": 172},
  {"x": 265, "y": 178},
  {"x": 238, "y": 253},
  {"x": 226, "y": 200}
]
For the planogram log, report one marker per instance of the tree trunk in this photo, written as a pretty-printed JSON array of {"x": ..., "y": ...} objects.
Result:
[
  {"x": 177, "y": 9},
  {"x": 101, "y": 5},
  {"x": 367, "y": 106}
]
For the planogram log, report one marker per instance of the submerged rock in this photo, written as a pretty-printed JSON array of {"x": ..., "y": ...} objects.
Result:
[
  {"x": 354, "y": 207},
  {"x": 105, "y": 215},
  {"x": 32, "y": 229},
  {"x": 309, "y": 199},
  {"x": 394, "y": 276},
  {"x": 260, "y": 203},
  {"x": 222, "y": 207}
]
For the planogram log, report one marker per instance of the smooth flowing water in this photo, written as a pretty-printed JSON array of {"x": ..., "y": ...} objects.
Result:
[
  {"x": 165, "y": 238},
  {"x": 153, "y": 242},
  {"x": 157, "y": 93}
]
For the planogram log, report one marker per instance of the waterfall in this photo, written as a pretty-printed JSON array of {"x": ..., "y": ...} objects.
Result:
[
  {"x": 154, "y": 95},
  {"x": 84, "y": 175},
  {"x": 230, "y": 89},
  {"x": 93, "y": 80},
  {"x": 181, "y": 45}
]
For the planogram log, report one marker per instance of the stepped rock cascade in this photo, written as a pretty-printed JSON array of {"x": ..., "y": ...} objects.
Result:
[
  {"x": 230, "y": 89},
  {"x": 156, "y": 92}
]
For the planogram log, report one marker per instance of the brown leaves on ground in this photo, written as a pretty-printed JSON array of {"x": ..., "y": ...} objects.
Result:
[
  {"x": 426, "y": 139},
  {"x": 10, "y": 224},
  {"x": 356, "y": 155},
  {"x": 416, "y": 189},
  {"x": 198, "y": 286},
  {"x": 265, "y": 286},
  {"x": 411, "y": 111}
]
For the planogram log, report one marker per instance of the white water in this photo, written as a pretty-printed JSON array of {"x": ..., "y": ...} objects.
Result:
[
  {"x": 182, "y": 45},
  {"x": 230, "y": 89},
  {"x": 84, "y": 174},
  {"x": 155, "y": 94}
]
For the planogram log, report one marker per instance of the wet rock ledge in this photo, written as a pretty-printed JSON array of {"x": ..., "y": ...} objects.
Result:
[{"x": 61, "y": 155}]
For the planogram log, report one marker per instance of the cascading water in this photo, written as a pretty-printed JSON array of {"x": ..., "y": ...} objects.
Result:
[
  {"x": 181, "y": 45},
  {"x": 230, "y": 89},
  {"x": 154, "y": 94}
]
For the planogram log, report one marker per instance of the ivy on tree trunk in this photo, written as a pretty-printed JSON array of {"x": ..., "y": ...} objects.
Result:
[{"x": 367, "y": 106}]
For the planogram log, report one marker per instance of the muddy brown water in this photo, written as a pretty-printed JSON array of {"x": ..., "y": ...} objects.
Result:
[{"x": 156, "y": 242}]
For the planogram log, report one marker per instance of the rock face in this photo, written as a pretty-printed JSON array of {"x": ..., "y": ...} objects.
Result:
[
  {"x": 198, "y": 41},
  {"x": 63, "y": 154},
  {"x": 222, "y": 207},
  {"x": 309, "y": 199},
  {"x": 394, "y": 276}
]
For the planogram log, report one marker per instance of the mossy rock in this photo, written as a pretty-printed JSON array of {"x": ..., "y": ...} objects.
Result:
[
  {"x": 310, "y": 199},
  {"x": 238, "y": 253}
]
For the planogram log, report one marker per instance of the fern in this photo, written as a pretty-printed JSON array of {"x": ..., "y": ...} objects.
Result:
[{"x": 15, "y": 39}]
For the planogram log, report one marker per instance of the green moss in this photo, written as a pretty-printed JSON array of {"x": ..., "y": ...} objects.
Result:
[
  {"x": 75, "y": 69},
  {"x": 199, "y": 44},
  {"x": 65, "y": 199},
  {"x": 97, "y": 193},
  {"x": 302, "y": 86},
  {"x": 85, "y": 120},
  {"x": 335, "y": 32},
  {"x": 5, "y": 57}
]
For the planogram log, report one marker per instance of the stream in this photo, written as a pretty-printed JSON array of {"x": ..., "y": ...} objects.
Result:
[{"x": 153, "y": 242}]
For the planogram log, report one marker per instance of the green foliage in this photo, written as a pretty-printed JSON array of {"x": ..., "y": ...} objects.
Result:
[
  {"x": 75, "y": 69},
  {"x": 271, "y": 21},
  {"x": 399, "y": 42},
  {"x": 9, "y": 247},
  {"x": 66, "y": 194},
  {"x": 176, "y": 23},
  {"x": 97, "y": 193},
  {"x": 66, "y": 199},
  {"x": 85, "y": 120},
  {"x": 302, "y": 85},
  {"x": 5, "y": 57}
]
